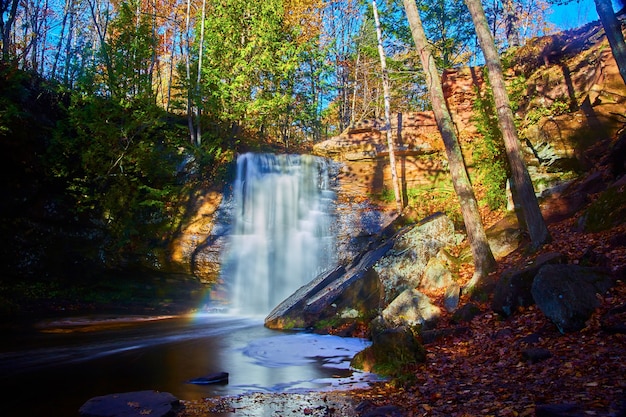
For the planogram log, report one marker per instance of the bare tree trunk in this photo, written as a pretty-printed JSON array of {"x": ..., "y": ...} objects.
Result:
[
  {"x": 7, "y": 26},
  {"x": 511, "y": 23},
  {"x": 171, "y": 70},
  {"x": 614, "y": 34},
  {"x": 101, "y": 30},
  {"x": 199, "y": 79},
  {"x": 484, "y": 261},
  {"x": 387, "y": 99},
  {"x": 192, "y": 130},
  {"x": 68, "y": 48},
  {"x": 66, "y": 12},
  {"x": 533, "y": 218}
]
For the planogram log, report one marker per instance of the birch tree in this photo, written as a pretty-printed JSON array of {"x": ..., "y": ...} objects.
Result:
[
  {"x": 387, "y": 99},
  {"x": 484, "y": 261}
]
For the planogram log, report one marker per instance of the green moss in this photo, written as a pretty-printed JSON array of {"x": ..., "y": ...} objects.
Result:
[
  {"x": 609, "y": 210},
  {"x": 391, "y": 352}
]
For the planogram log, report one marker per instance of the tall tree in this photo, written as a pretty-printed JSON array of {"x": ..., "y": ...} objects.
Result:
[
  {"x": 8, "y": 11},
  {"x": 385, "y": 81},
  {"x": 484, "y": 261},
  {"x": 511, "y": 23},
  {"x": 522, "y": 184},
  {"x": 613, "y": 28},
  {"x": 450, "y": 33}
]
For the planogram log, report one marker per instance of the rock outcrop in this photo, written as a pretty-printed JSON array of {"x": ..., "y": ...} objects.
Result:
[{"x": 383, "y": 279}]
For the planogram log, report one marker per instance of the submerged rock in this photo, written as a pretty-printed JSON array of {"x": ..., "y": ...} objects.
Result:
[
  {"x": 130, "y": 404},
  {"x": 215, "y": 378}
]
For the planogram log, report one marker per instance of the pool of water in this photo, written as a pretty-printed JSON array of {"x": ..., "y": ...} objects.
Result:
[{"x": 52, "y": 367}]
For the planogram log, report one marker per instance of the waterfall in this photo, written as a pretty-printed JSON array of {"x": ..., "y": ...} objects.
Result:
[{"x": 280, "y": 234}]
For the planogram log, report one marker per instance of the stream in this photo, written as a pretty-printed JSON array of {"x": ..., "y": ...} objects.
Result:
[
  {"x": 280, "y": 236},
  {"x": 52, "y": 367}
]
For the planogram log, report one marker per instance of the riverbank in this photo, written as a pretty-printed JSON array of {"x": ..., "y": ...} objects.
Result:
[{"x": 490, "y": 365}]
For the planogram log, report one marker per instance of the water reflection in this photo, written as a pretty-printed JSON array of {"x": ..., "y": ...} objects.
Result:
[{"x": 46, "y": 371}]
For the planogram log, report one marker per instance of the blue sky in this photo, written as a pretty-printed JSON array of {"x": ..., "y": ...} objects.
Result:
[{"x": 574, "y": 14}]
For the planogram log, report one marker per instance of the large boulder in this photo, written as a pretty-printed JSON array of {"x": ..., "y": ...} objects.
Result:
[
  {"x": 374, "y": 279},
  {"x": 391, "y": 349},
  {"x": 402, "y": 267},
  {"x": 436, "y": 274},
  {"x": 411, "y": 308},
  {"x": 513, "y": 288},
  {"x": 566, "y": 294},
  {"x": 132, "y": 404},
  {"x": 333, "y": 294}
]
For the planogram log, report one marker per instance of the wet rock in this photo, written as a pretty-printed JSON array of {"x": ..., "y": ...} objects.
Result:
[
  {"x": 215, "y": 378},
  {"x": 390, "y": 350},
  {"x": 131, "y": 404},
  {"x": 566, "y": 294}
]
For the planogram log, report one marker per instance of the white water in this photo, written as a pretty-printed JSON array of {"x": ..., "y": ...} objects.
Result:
[{"x": 280, "y": 237}]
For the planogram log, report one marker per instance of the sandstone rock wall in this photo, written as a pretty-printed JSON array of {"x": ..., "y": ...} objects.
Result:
[{"x": 566, "y": 92}]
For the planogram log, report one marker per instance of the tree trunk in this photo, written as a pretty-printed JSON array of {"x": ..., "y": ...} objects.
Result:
[
  {"x": 614, "y": 34},
  {"x": 533, "y": 218},
  {"x": 7, "y": 26},
  {"x": 192, "y": 130},
  {"x": 484, "y": 261},
  {"x": 66, "y": 12},
  {"x": 199, "y": 79},
  {"x": 511, "y": 23},
  {"x": 387, "y": 99}
]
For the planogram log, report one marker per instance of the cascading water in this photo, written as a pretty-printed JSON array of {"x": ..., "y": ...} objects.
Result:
[{"x": 281, "y": 229}]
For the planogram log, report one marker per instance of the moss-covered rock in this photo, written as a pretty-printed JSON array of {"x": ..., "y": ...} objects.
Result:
[
  {"x": 608, "y": 211},
  {"x": 391, "y": 350}
]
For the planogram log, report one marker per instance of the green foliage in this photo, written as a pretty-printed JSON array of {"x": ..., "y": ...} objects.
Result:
[
  {"x": 129, "y": 53},
  {"x": 556, "y": 108},
  {"x": 607, "y": 211},
  {"x": 489, "y": 155},
  {"x": 119, "y": 163},
  {"x": 449, "y": 28},
  {"x": 257, "y": 72}
]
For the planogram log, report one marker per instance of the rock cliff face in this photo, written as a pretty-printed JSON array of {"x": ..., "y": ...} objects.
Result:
[{"x": 566, "y": 92}]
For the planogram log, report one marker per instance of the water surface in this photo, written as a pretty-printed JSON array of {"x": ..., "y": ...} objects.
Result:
[{"x": 53, "y": 367}]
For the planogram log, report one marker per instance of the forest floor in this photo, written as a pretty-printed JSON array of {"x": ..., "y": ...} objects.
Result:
[{"x": 481, "y": 370}]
